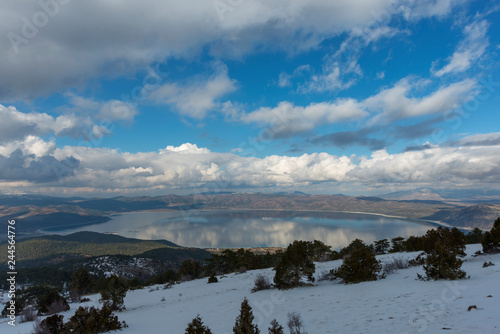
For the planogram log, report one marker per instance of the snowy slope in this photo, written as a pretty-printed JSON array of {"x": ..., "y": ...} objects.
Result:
[{"x": 397, "y": 304}]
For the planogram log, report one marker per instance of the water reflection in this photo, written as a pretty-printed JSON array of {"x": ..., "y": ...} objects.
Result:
[{"x": 256, "y": 228}]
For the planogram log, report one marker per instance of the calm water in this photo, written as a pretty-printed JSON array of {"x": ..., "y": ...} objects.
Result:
[{"x": 255, "y": 228}]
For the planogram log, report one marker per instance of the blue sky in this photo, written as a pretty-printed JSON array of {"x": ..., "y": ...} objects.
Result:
[{"x": 100, "y": 98}]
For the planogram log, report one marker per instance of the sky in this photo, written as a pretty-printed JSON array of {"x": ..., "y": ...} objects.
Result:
[{"x": 110, "y": 98}]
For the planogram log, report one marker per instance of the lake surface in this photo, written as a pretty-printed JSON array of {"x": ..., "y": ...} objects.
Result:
[{"x": 207, "y": 229}]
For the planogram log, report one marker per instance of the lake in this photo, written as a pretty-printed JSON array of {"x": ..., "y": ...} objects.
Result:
[{"x": 255, "y": 228}]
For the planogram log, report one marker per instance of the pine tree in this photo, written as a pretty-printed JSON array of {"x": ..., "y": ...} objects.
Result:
[
  {"x": 295, "y": 263},
  {"x": 114, "y": 291},
  {"x": 51, "y": 325},
  {"x": 475, "y": 236},
  {"x": 444, "y": 248},
  {"x": 359, "y": 265},
  {"x": 190, "y": 269},
  {"x": 244, "y": 322},
  {"x": 93, "y": 320},
  {"x": 382, "y": 246},
  {"x": 82, "y": 281},
  {"x": 397, "y": 245},
  {"x": 196, "y": 327},
  {"x": 45, "y": 302},
  {"x": 491, "y": 239},
  {"x": 275, "y": 328}
]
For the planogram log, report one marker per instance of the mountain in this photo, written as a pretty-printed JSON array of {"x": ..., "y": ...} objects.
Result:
[
  {"x": 48, "y": 213},
  {"x": 477, "y": 215},
  {"x": 422, "y": 194},
  {"x": 473, "y": 196}
]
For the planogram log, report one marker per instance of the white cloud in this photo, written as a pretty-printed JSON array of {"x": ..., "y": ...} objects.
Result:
[
  {"x": 29, "y": 145},
  {"x": 417, "y": 9},
  {"x": 446, "y": 166},
  {"x": 80, "y": 122},
  {"x": 108, "y": 111},
  {"x": 334, "y": 76},
  {"x": 88, "y": 39},
  {"x": 468, "y": 51},
  {"x": 186, "y": 148},
  {"x": 117, "y": 111},
  {"x": 284, "y": 80},
  {"x": 18, "y": 125},
  {"x": 196, "y": 98},
  {"x": 189, "y": 167},
  {"x": 391, "y": 104},
  {"x": 485, "y": 139},
  {"x": 341, "y": 69},
  {"x": 396, "y": 103},
  {"x": 287, "y": 119}
]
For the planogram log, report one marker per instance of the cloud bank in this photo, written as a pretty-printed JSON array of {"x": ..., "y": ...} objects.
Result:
[{"x": 101, "y": 170}]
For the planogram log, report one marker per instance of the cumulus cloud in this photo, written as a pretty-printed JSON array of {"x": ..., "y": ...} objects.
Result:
[
  {"x": 287, "y": 119},
  {"x": 109, "y": 111},
  {"x": 86, "y": 39},
  {"x": 37, "y": 169},
  {"x": 396, "y": 103},
  {"x": 392, "y": 104},
  {"x": 17, "y": 125},
  {"x": 468, "y": 51},
  {"x": 186, "y": 148},
  {"x": 197, "y": 98},
  {"x": 30, "y": 145},
  {"x": 450, "y": 166},
  {"x": 115, "y": 110},
  {"x": 192, "y": 168},
  {"x": 483, "y": 139}
]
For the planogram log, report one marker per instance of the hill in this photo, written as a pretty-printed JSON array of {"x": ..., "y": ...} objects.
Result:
[
  {"x": 477, "y": 215},
  {"x": 50, "y": 249},
  {"x": 397, "y": 304}
]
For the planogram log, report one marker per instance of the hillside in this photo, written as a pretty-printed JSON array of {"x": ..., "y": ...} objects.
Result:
[
  {"x": 397, "y": 304},
  {"x": 478, "y": 215},
  {"x": 52, "y": 249}
]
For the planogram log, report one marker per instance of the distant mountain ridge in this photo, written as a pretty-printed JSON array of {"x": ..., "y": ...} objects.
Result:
[
  {"x": 417, "y": 194},
  {"x": 473, "y": 196},
  {"x": 477, "y": 215},
  {"x": 43, "y": 212}
]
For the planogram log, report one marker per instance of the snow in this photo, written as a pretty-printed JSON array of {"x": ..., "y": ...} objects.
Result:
[{"x": 398, "y": 304}]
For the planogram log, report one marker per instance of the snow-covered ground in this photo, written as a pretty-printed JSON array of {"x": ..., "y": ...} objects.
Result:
[{"x": 398, "y": 304}]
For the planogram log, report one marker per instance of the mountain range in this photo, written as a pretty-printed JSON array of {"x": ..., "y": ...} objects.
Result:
[{"x": 36, "y": 212}]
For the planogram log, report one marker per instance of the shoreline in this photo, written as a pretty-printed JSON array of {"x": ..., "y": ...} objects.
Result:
[
  {"x": 432, "y": 222},
  {"x": 187, "y": 213}
]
